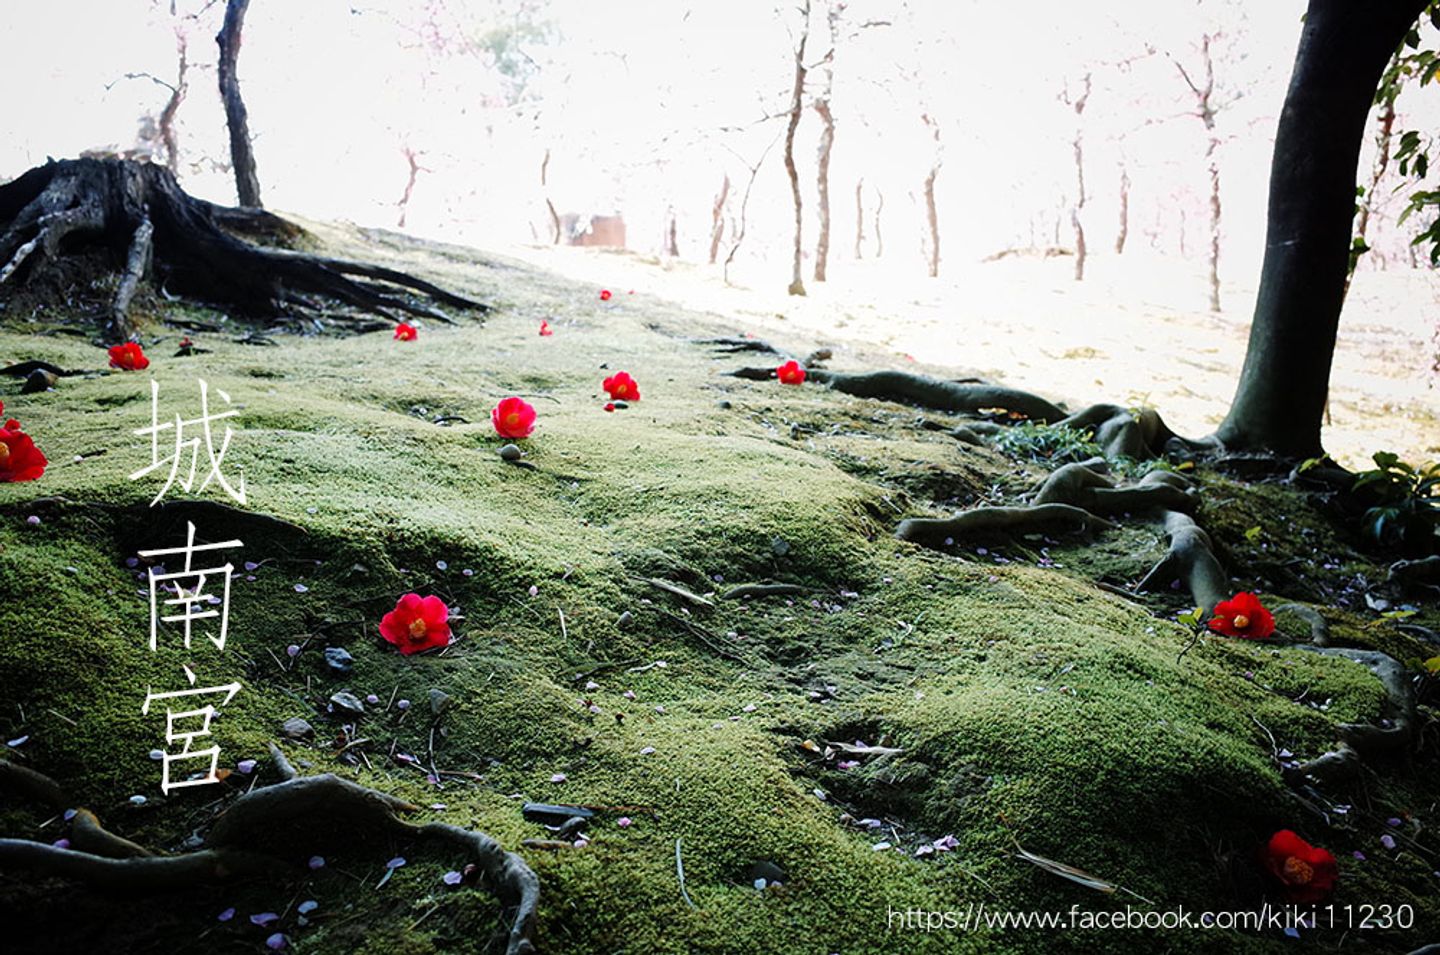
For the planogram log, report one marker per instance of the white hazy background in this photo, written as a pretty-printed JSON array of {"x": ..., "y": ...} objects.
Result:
[{"x": 644, "y": 107}]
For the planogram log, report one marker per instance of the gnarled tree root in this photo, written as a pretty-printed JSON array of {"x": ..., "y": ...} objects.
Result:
[
  {"x": 1190, "y": 558},
  {"x": 939, "y": 532},
  {"x": 140, "y": 214},
  {"x": 1360, "y": 741},
  {"x": 936, "y": 393},
  {"x": 231, "y": 851},
  {"x": 1081, "y": 485}
]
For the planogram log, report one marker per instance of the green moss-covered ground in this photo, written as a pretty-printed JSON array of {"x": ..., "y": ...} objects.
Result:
[{"x": 1031, "y": 707}]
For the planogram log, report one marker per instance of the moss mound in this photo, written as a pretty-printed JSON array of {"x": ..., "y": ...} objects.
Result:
[{"x": 1015, "y": 704}]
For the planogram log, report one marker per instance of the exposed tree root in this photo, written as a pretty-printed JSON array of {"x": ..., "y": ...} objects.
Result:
[
  {"x": 1362, "y": 741},
  {"x": 936, "y": 393},
  {"x": 150, "y": 225},
  {"x": 1080, "y": 485},
  {"x": 1190, "y": 558},
  {"x": 1425, "y": 571},
  {"x": 238, "y": 845},
  {"x": 939, "y": 532}
]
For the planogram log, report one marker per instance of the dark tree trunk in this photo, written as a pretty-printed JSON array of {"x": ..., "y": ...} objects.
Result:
[
  {"x": 860, "y": 219},
  {"x": 1281, "y": 396},
  {"x": 822, "y": 187},
  {"x": 717, "y": 219},
  {"x": 797, "y": 284},
  {"x": 242, "y": 154},
  {"x": 139, "y": 217}
]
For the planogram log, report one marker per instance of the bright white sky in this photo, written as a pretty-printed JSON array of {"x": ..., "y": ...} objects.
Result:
[{"x": 645, "y": 106}]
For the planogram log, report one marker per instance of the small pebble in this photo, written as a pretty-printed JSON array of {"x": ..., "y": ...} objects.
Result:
[
  {"x": 510, "y": 452},
  {"x": 348, "y": 702},
  {"x": 339, "y": 660}
]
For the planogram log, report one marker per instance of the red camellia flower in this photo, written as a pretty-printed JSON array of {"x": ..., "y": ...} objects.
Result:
[
  {"x": 128, "y": 357},
  {"x": 622, "y": 387},
  {"x": 1243, "y": 616},
  {"x": 513, "y": 418},
  {"x": 1306, "y": 872},
  {"x": 405, "y": 332},
  {"x": 604, "y": 295},
  {"x": 790, "y": 373},
  {"x": 545, "y": 328},
  {"x": 417, "y": 623},
  {"x": 20, "y": 460},
  {"x": 609, "y": 406}
]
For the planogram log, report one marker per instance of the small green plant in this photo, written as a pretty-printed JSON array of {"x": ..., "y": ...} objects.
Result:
[
  {"x": 1406, "y": 511},
  {"x": 1050, "y": 444}
]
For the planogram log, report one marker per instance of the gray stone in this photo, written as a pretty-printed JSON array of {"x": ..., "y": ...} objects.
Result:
[
  {"x": 296, "y": 728},
  {"x": 348, "y": 702},
  {"x": 339, "y": 660}
]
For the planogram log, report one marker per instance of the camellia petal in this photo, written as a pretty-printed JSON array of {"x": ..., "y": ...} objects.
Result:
[
  {"x": 790, "y": 373},
  {"x": 513, "y": 417},
  {"x": 417, "y": 623},
  {"x": 622, "y": 387},
  {"x": 20, "y": 459},
  {"x": 1243, "y": 616},
  {"x": 405, "y": 332},
  {"x": 128, "y": 357},
  {"x": 1306, "y": 873}
]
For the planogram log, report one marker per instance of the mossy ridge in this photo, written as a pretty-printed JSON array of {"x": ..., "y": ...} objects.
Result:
[{"x": 1147, "y": 770}]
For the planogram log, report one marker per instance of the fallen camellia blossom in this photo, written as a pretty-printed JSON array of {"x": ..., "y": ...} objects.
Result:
[
  {"x": 1243, "y": 616},
  {"x": 790, "y": 373},
  {"x": 513, "y": 418},
  {"x": 417, "y": 623},
  {"x": 1307, "y": 872},
  {"x": 545, "y": 328},
  {"x": 405, "y": 332},
  {"x": 20, "y": 460},
  {"x": 622, "y": 387},
  {"x": 604, "y": 295},
  {"x": 128, "y": 357}
]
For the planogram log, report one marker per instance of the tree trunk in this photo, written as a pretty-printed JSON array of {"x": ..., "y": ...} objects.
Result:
[
  {"x": 879, "y": 237},
  {"x": 1123, "y": 233},
  {"x": 404, "y": 203},
  {"x": 672, "y": 245},
  {"x": 1281, "y": 395},
  {"x": 1077, "y": 146},
  {"x": 932, "y": 219},
  {"x": 135, "y": 213},
  {"x": 172, "y": 106},
  {"x": 717, "y": 219},
  {"x": 549, "y": 206},
  {"x": 797, "y": 94},
  {"x": 822, "y": 186},
  {"x": 242, "y": 154},
  {"x": 860, "y": 219}
]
